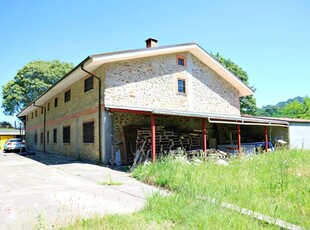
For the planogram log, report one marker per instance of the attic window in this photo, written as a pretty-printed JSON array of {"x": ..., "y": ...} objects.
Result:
[
  {"x": 181, "y": 60},
  {"x": 67, "y": 95},
  {"x": 181, "y": 86},
  {"x": 89, "y": 84}
]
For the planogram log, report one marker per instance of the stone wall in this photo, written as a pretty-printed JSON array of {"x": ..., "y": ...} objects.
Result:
[
  {"x": 152, "y": 83},
  {"x": 81, "y": 108}
]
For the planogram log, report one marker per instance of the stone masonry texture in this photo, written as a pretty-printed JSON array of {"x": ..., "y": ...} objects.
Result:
[{"x": 149, "y": 83}]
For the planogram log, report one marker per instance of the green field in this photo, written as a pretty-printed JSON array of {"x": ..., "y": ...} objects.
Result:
[{"x": 275, "y": 184}]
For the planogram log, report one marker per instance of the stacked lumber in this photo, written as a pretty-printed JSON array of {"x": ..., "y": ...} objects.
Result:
[{"x": 169, "y": 139}]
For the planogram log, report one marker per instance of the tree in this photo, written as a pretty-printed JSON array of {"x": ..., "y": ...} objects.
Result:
[
  {"x": 247, "y": 103},
  {"x": 30, "y": 82},
  {"x": 297, "y": 109}
]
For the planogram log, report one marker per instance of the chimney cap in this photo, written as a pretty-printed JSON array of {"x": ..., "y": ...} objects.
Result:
[{"x": 151, "y": 39}]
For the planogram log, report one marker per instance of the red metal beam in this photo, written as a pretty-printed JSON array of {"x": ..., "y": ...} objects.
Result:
[
  {"x": 239, "y": 137},
  {"x": 153, "y": 128},
  {"x": 130, "y": 111},
  {"x": 266, "y": 138},
  {"x": 204, "y": 134}
]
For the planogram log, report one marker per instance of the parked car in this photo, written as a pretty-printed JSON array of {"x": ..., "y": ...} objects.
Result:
[{"x": 14, "y": 144}]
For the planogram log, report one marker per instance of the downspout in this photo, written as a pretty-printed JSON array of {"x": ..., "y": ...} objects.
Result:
[
  {"x": 99, "y": 109},
  {"x": 44, "y": 123}
]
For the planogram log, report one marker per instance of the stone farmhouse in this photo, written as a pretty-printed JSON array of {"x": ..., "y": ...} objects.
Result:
[{"x": 157, "y": 98}]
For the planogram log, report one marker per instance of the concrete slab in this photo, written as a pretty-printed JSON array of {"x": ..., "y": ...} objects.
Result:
[{"x": 61, "y": 189}]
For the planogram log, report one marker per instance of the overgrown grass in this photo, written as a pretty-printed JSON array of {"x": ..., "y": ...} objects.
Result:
[{"x": 276, "y": 184}]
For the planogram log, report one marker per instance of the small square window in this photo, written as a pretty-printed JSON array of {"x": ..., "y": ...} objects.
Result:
[
  {"x": 41, "y": 110},
  {"x": 56, "y": 102},
  {"x": 181, "y": 61},
  {"x": 66, "y": 134},
  {"x": 48, "y": 106},
  {"x": 181, "y": 86},
  {"x": 67, "y": 95},
  {"x": 89, "y": 84}
]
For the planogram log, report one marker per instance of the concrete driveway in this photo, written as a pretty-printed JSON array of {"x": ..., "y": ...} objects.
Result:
[{"x": 58, "y": 190}]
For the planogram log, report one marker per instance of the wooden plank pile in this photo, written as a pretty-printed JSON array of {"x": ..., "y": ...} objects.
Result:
[{"x": 169, "y": 139}]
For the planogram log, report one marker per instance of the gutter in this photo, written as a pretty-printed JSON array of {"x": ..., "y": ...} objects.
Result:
[
  {"x": 99, "y": 109},
  {"x": 44, "y": 123}
]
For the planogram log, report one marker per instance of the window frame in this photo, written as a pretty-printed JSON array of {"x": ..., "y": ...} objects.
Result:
[
  {"x": 55, "y": 135},
  {"x": 41, "y": 137},
  {"x": 89, "y": 139},
  {"x": 47, "y": 137},
  {"x": 87, "y": 85},
  {"x": 67, "y": 96},
  {"x": 66, "y": 134},
  {"x": 35, "y": 138},
  {"x": 183, "y": 58},
  {"x": 184, "y": 87}
]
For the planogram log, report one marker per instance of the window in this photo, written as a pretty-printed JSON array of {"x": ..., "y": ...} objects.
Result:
[
  {"x": 36, "y": 113},
  {"x": 41, "y": 138},
  {"x": 66, "y": 134},
  {"x": 35, "y": 138},
  {"x": 27, "y": 118},
  {"x": 88, "y": 132},
  {"x": 54, "y": 135},
  {"x": 89, "y": 84},
  {"x": 56, "y": 102},
  {"x": 47, "y": 137},
  {"x": 31, "y": 115},
  {"x": 67, "y": 95},
  {"x": 48, "y": 106},
  {"x": 181, "y": 86},
  {"x": 41, "y": 110},
  {"x": 181, "y": 60}
]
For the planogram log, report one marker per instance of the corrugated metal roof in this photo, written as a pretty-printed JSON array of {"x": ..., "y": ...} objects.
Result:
[
  {"x": 287, "y": 119},
  {"x": 13, "y": 132},
  {"x": 213, "y": 118}
]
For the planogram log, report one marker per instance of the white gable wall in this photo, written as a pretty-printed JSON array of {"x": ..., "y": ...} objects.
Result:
[{"x": 299, "y": 135}]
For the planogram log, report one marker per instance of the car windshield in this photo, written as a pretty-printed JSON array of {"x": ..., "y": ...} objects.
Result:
[{"x": 14, "y": 140}]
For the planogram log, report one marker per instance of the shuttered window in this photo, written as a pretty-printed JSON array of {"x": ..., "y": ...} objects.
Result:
[
  {"x": 88, "y": 132},
  {"x": 66, "y": 134}
]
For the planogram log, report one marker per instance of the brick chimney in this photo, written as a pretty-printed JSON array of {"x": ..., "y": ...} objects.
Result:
[{"x": 151, "y": 42}]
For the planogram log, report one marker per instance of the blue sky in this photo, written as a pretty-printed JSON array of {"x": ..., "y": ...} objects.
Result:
[{"x": 268, "y": 39}]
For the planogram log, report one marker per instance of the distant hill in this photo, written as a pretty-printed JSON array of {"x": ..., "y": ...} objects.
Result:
[
  {"x": 283, "y": 103},
  {"x": 275, "y": 110}
]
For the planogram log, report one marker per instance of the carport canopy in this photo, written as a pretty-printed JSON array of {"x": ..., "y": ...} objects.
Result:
[{"x": 212, "y": 118}]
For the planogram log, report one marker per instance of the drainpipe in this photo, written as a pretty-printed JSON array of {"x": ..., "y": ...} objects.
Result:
[
  {"x": 99, "y": 109},
  {"x": 44, "y": 123}
]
